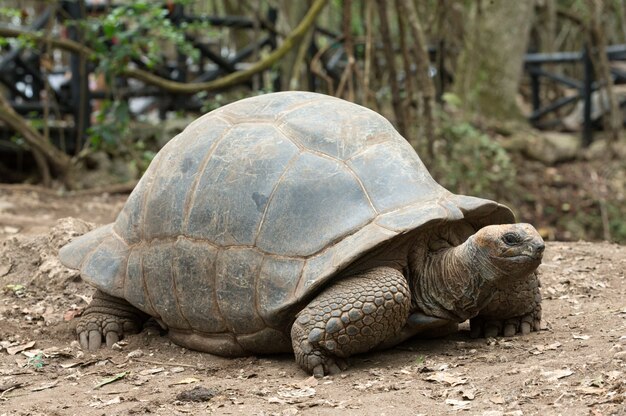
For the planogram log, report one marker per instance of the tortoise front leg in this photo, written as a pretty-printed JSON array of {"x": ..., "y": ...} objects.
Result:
[
  {"x": 354, "y": 315},
  {"x": 514, "y": 309},
  {"x": 108, "y": 318}
]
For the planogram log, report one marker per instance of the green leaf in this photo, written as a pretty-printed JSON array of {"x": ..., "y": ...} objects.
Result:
[{"x": 109, "y": 29}]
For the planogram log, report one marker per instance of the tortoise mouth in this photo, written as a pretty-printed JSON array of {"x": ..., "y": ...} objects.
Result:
[
  {"x": 524, "y": 253},
  {"x": 524, "y": 258}
]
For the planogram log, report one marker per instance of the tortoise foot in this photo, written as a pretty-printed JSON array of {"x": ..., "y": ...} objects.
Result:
[
  {"x": 311, "y": 357},
  {"x": 354, "y": 315},
  {"x": 490, "y": 327},
  {"x": 514, "y": 309},
  {"x": 107, "y": 319},
  {"x": 315, "y": 360}
]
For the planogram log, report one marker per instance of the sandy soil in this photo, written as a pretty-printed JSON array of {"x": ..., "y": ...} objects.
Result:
[{"x": 575, "y": 366}]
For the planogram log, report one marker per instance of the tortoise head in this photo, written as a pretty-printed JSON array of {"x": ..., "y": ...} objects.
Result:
[{"x": 509, "y": 249}]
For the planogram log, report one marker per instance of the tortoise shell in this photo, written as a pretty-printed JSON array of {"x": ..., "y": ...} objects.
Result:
[{"x": 246, "y": 214}]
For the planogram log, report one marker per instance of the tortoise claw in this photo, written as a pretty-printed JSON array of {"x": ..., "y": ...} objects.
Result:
[
  {"x": 84, "y": 340},
  {"x": 329, "y": 366},
  {"x": 95, "y": 340},
  {"x": 509, "y": 330},
  {"x": 112, "y": 338},
  {"x": 490, "y": 328},
  {"x": 343, "y": 364},
  {"x": 333, "y": 368},
  {"x": 94, "y": 329},
  {"x": 318, "y": 371}
]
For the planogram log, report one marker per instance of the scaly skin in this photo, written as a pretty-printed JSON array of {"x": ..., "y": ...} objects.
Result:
[
  {"x": 514, "y": 308},
  {"x": 488, "y": 279},
  {"x": 354, "y": 315}
]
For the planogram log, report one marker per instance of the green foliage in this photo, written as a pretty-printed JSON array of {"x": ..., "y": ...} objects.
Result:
[
  {"x": 111, "y": 122},
  {"x": 10, "y": 13},
  {"x": 218, "y": 100},
  {"x": 22, "y": 41},
  {"x": 112, "y": 134},
  {"x": 585, "y": 224},
  {"x": 617, "y": 222},
  {"x": 140, "y": 30},
  {"x": 17, "y": 289},
  {"x": 470, "y": 162},
  {"x": 212, "y": 103}
]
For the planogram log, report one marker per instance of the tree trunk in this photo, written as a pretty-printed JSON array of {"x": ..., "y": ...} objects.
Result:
[
  {"x": 425, "y": 85},
  {"x": 603, "y": 68},
  {"x": 291, "y": 13},
  {"x": 491, "y": 64},
  {"x": 396, "y": 99}
]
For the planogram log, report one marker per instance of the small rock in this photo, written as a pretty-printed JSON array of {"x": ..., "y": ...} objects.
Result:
[
  {"x": 493, "y": 413},
  {"x": 620, "y": 355},
  {"x": 135, "y": 354},
  {"x": 552, "y": 147},
  {"x": 6, "y": 206},
  {"x": 151, "y": 371},
  {"x": 117, "y": 346},
  {"x": 197, "y": 394}
]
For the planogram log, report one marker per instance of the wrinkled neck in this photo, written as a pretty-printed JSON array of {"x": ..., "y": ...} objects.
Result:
[{"x": 453, "y": 283}]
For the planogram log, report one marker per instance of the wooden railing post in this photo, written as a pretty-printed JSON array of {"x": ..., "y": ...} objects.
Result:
[
  {"x": 79, "y": 83},
  {"x": 586, "y": 94}
]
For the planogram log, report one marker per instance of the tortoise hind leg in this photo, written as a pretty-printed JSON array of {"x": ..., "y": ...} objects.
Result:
[
  {"x": 108, "y": 318},
  {"x": 352, "y": 316}
]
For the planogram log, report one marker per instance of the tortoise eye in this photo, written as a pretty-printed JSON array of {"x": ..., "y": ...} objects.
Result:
[{"x": 511, "y": 239}]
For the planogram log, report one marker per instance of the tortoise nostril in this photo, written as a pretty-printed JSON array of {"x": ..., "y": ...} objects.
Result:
[{"x": 539, "y": 248}]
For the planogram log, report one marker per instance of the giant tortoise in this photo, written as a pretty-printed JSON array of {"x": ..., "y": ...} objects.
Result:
[{"x": 300, "y": 222}]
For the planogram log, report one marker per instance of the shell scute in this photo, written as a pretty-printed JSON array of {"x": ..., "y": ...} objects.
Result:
[
  {"x": 319, "y": 125},
  {"x": 275, "y": 288},
  {"x": 194, "y": 266},
  {"x": 394, "y": 176},
  {"x": 135, "y": 286},
  {"x": 264, "y": 108},
  {"x": 236, "y": 184},
  {"x": 160, "y": 284},
  {"x": 316, "y": 203},
  {"x": 235, "y": 280},
  {"x": 167, "y": 201}
]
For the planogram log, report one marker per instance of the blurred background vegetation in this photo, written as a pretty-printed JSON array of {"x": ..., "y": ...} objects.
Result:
[{"x": 515, "y": 101}]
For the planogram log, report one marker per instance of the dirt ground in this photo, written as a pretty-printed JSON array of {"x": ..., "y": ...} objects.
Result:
[{"x": 575, "y": 366}]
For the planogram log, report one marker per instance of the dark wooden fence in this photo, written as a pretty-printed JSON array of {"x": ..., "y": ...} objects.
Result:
[
  {"x": 21, "y": 73},
  {"x": 535, "y": 66}
]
